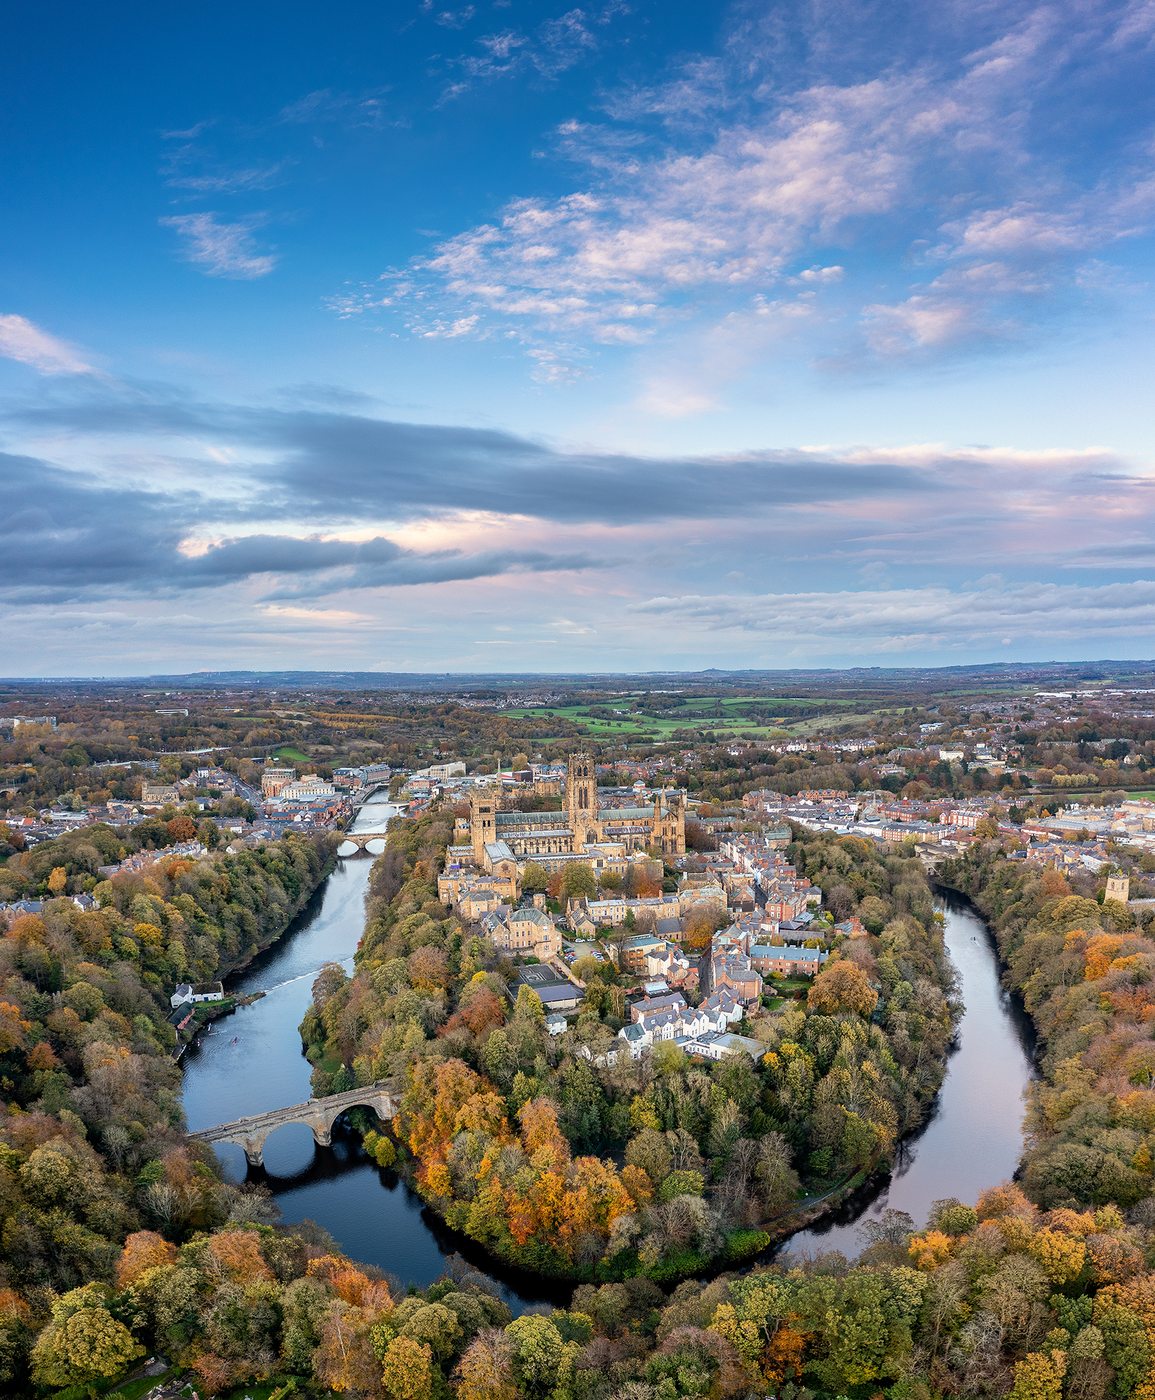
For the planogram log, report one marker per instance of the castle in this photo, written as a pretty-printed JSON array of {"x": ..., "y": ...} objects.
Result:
[{"x": 497, "y": 837}]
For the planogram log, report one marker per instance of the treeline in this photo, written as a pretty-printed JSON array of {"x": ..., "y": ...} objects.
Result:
[
  {"x": 563, "y": 1154},
  {"x": 1086, "y": 973},
  {"x": 992, "y": 1300},
  {"x": 71, "y": 864},
  {"x": 91, "y": 1146}
]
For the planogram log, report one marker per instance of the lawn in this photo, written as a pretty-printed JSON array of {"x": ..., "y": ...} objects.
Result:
[
  {"x": 291, "y": 755},
  {"x": 109, "y": 1390}
]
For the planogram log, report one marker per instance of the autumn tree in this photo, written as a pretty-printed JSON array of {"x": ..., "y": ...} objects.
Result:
[{"x": 842, "y": 986}]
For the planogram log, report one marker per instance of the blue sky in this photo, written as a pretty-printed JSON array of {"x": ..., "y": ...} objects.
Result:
[{"x": 537, "y": 336}]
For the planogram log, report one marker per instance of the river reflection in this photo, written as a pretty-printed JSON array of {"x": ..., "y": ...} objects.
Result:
[{"x": 252, "y": 1060}]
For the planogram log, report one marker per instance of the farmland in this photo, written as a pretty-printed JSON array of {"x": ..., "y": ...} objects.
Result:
[{"x": 653, "y": 718}]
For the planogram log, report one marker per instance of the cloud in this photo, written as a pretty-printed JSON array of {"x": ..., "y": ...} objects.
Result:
[
  {"x": 316, "y": 508},
  {"x": 28, "y": 344},
  {"x": 237, "y": 181},
  {"x": 911, "y": 618},
  {"x": 365, "y": 109},
  {"x": 546, "y": 51},
  {"x": 341, "y": 466},
  {"x": 221, "y": 249},
  {"x": 920, "y": 323},
  {"x": 891, "y": 179},
  {"x": 66, "y": 542}
]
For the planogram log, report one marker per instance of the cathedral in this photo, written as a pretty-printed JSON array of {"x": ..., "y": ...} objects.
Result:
[{"x": 496, "y": 835}]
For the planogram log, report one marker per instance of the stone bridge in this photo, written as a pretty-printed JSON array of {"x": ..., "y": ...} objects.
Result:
[
  {"x": 318, "y": 1114},
  {"x": 360, "y": 839}
]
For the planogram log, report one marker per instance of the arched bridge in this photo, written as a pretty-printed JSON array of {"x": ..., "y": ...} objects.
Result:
[
  {"x": 318, "y": 1114},
  {"x": 361, "y": 839}
]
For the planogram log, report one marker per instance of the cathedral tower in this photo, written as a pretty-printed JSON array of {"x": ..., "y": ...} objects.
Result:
[
  {"x": 482, "y": 822},
  {"x": 581, "y": 796}
]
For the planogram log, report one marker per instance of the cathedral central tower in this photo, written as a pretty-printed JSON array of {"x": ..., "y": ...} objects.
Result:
[{"x": 581, "y": 796}]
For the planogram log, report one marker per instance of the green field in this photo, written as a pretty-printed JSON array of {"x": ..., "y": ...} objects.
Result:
[
  {"x": 291, "y": 755},
  {"x": 728, "y": 716}
]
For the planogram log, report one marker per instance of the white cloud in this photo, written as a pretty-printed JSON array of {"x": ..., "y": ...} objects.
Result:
[
  {"x": 745, "y": 173},
  {"x": 918, "y": 324},
  {"x": 27, "y": 343},
  {"x": 222, "y": 249}
]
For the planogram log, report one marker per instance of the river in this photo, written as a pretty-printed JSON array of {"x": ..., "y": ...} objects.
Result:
[
  {"x": 251, "y": 1060},
  {"x": 974, "y": 1136}
]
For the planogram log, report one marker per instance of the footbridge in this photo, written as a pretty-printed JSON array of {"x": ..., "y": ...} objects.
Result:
[{"x": 318, "y": 1114}]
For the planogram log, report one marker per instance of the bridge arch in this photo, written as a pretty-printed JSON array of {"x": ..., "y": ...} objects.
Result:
[
  {"x": 318, "y": 1115},
  {"x": 371, "y": 842}
]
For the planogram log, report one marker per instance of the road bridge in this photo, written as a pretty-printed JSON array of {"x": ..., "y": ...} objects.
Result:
[
  {"x": 318, "y": 1114},
  {"x": 361, "y": 840}
]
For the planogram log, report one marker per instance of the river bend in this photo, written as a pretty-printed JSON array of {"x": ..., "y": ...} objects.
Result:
[{"x": 252, "y": 1060}]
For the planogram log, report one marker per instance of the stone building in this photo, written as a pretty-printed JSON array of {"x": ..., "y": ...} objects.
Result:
[
  {"x": 581, "y": 823},
  {"x": 523, "y": 932}
]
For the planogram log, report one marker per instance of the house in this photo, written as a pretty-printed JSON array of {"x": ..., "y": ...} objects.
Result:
[
  {"x": 18, "y": 907},
  {"x": 651, "y": 1006},
  {"x": 719, "y": 1045},
  {"x": 525, "y": 932},
  {"x": 158, "y": 794},
  {"x": 668, "y": 1018},
  {"x": 787, "y": 962},
  {"x": 633, "y": 951},
  {"x": 733, "y": 971},
  {"x": 672, "y": 966},
  {"x": 188, "y": 993}
]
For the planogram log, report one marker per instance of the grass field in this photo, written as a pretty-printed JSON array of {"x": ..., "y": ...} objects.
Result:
[
  {"x": 292, "y": 755},
  {"x": 726, "y": 715}
]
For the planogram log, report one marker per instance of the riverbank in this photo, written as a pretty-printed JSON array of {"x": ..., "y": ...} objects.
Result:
[
  {"x": 972, "y": 1138},
  {"x": 1086, "y": 975}
]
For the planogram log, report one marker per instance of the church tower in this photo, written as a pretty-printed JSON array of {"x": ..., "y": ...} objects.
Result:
[
  {"x": 482, "y": 822},
  {"x": 669, "y": 823},
  {"x": 1118, "y": 887},
  {"x": 581, "y": 797}
]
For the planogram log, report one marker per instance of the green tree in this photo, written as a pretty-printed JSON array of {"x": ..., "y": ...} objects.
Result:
[
  {"x": 537, "y": 1353},
  {"x": 83, "y": 1344},
  {"x": 578, "y": 882},
  {"x": 534, "y": 878}
]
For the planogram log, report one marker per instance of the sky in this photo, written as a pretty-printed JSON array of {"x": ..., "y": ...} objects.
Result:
[{"x": 529, "y": 336}]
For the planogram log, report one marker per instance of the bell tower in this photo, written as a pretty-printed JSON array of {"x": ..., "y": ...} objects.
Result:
[{"x": 581, "y": 796}]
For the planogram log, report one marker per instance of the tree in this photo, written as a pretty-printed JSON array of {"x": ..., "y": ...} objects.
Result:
[
  {"x": 578, "y": 882},
  {"x": 407, "y": 1369},
  {"x": 181, "y": 828},
  {"x": 485, "y": 1372},
  {"x": 58, "y": 880},
  {"x": 842, "y": 986},
  {"x": 534, "y": 878},
  {"x": 83, "y": 1344},
  {"x": 537, "y": 1353},
  {"x": 1039, "y": 1376},
  {"x": 142, "y": 1251}
]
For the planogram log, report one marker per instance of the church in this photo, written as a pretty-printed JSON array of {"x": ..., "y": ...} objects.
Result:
[{"x": 497, "y": 836}]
